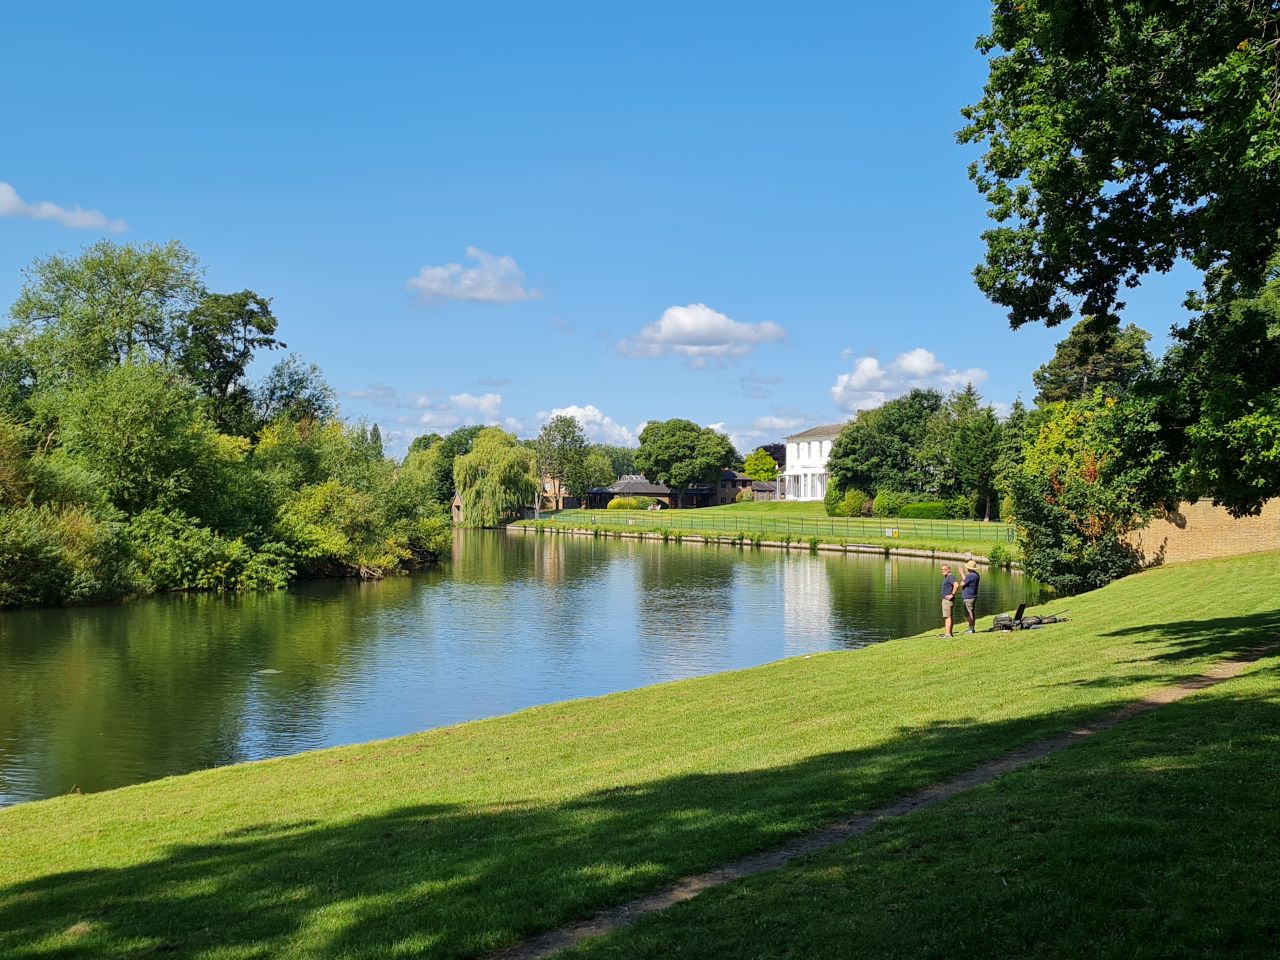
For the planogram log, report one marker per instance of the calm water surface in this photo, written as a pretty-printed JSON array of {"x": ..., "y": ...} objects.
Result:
[{"x": 94, "y": 698}]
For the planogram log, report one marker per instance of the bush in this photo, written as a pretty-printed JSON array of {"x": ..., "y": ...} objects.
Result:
[
  {"x": 927, "y": 510},
  {"x": 622, "y": 503},
  {"x": 60, "y": 555},
  {"x": 855, "y": 503},
  {"x": 889, "y": 503},
  {"x": 1000, "y": 556},
  {"x": 174, "y": 552},
  {"x": 833, "y": 499},
  {"x": 963, "y": 508},
  {"x": 745, "y": 496}
]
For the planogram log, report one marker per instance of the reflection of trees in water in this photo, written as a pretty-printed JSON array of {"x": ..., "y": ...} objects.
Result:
[
  {"x": 102, "y": 696},
  {"x": 686, "y": 593},
  {"x": 875, "y": 599}
]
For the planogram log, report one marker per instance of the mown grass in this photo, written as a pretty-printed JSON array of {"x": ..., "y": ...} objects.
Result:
[
  {"x": 797, "y": 523},
  {"x": 1157, "y": 839},
  {"x": 456, "y": 841}
]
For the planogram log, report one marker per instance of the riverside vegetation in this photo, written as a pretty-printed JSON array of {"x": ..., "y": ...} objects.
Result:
[
  {"x": 456, "y": 841},
  {"x": 136, "y": 455}
]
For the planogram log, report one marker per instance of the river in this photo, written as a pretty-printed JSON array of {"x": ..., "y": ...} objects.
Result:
[{"x": 98, "y": 697}]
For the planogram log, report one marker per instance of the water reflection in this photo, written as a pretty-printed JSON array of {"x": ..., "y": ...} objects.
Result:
[{"x": 99, "y": 697}]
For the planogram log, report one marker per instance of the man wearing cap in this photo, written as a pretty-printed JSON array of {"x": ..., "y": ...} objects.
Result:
[{"x": 969, "y": 593}]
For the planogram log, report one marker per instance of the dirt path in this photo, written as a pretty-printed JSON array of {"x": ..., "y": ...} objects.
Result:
[{"x": 615, "y": 918}]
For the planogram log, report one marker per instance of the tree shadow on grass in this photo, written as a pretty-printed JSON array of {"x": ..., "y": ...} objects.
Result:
[
  {"x": 440, "y": 880},
  {"x": 1191, "y": 639},
  {"x": 1157, "y": 839}
]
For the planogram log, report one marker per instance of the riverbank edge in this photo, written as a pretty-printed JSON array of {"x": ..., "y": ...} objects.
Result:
[{"x": 822, "y": 546}]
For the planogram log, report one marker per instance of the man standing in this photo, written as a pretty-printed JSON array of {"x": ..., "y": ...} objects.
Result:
[
  {"x": 949, "y": 586},
  {"x": 969, "y": 593}
]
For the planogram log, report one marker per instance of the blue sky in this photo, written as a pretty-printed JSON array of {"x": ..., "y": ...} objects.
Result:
[{"x": 749, "y": 215}]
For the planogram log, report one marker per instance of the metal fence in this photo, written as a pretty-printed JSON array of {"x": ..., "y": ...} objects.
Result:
[{"x": 745, "y": 522}]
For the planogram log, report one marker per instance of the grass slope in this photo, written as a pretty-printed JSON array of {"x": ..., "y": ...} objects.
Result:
[
  {"x": 455, "y": 841},
  {"x": 799, "y": 522},
  {"x": 1158, "y": 839}
]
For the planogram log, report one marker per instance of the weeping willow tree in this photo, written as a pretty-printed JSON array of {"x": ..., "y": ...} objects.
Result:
[{"x": 496, "y": 479}]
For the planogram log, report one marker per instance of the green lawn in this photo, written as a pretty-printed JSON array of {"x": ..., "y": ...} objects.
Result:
[
  {"x": 1158, "y": 839},
  {"x": 801, "y": 522},
  {"x": 455, "y": 841}
]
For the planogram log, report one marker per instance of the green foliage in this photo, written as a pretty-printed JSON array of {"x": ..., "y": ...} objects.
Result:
[
  {"x": 845, "y": 503},
  {"x": 631, "y": 503},
  {"x": 999, "y": 556},
  {"x": 175, "y": 552},
  {"x": 681, "y": 454},
  {"x": 561, "y": 447},
  {"x": 1096, "y": 353},
  {"x": 114, "y": 303},
  {"x": 760, "y": 466},
  {"x": 1088, "y": 480},
  {"x": 217, "y": 340},
  {"x": 622, "y": 460},
  {"x": 885, "y": 446},
  {"x": 1220, "y": 392},
  {"x": 890, "y": 503},
  {"x": 141, "y": 429},
  {"x": 295, "y": 390},
  {"x": 1120, "y": 138},
  {"x": 746, "y": 495},
  {"x": 128, "y": 460},
  {"x": 496, "y": 480},
  {"x": 60, "y": 555},
  {"x": 596, "y": 471}
]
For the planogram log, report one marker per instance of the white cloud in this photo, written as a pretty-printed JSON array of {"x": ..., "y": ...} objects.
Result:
[
  {"x": 492, "y": 280},
  {"x": 595, "y": 424},
  {"x": 870, "y": 383},
  {"x": 773, "y": 423},
  {"x": 699, "y": 334},
  {"x": 12, "y": 205},
  {"x": 462, "y": 409},
  {"x": 487, "y": 406}
]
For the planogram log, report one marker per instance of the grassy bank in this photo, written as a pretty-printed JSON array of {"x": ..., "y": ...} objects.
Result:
[
  {"x": 455, "y": 841},
  {"x": 1159, "y": 839},
  {"x": 797, "y": 523}
]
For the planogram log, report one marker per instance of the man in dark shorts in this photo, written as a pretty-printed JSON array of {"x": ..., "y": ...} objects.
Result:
[
  {"x": 949, "y": 586},
  {"x": 969, "y": 593}
]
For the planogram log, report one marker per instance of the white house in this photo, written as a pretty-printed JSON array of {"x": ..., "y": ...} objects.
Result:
[{"x": 805, "y": 476}]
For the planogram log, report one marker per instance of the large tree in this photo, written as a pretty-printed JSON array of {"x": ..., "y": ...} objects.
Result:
[
  {"x": 760, "y": 466},
  {"x": 216, "y": 341},
  {"x": 681, "y": 454},
  {"x": 496, "y": 479},
  {"x": 883, "y": 448},
  {"x": 561, "y": 447},
  {"x": 1119, "y": 138},
  {"x": 1098, "y": 352}
]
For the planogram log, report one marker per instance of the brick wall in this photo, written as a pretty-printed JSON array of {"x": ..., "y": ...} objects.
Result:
[{"x": 1196, "y": 531}]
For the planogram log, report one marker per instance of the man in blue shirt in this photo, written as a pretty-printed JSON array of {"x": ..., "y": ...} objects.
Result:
[
  {"x": 969, "y": 593},
  {"x": 949, "y": 586}
]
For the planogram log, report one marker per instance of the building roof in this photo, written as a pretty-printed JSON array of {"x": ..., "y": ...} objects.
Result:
[
  {"x": 828, "y": 431},
  {"x": 764, "y": 486},
  {"x": 634, "y": 485}
]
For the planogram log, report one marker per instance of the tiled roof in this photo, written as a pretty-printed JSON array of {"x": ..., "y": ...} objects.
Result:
[
  {"x": 829, "y": 431},
  {"x": 635, "y": 485}
]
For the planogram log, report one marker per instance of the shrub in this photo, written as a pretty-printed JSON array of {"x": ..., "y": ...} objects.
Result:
[
  {"x": 855, "y": 503},
  {"x": 60, "y": 555},
  {"x": 833, "y": 499},
  {"x": 746, "y": 495},
  {"x": 889, "y": 503},
  {"x": 174, "y": 552},
  {"x": 1000, "y": 556},
  {"x": 928, "y": 510},
  {"x": 622, "y": 503},
  {"x": 963, "y": 508}
]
